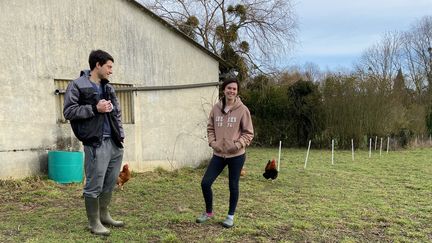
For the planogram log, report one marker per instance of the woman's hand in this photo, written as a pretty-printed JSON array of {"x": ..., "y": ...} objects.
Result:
[
  {"x": 215, "y": 147},
  {"x": 234, "y": 147}
]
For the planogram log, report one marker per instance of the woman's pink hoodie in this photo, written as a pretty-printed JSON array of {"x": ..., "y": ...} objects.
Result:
[{"x": 229, "y": 133}]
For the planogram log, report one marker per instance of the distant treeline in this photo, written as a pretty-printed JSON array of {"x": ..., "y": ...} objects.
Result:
[
  {"x": 340, "y": 107},
  {"x": 388, "y": 93}
]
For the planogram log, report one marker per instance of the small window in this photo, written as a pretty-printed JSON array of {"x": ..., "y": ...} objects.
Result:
[
  {"x": 124, "y": 97},
  {"x": 60, "y": 85}
]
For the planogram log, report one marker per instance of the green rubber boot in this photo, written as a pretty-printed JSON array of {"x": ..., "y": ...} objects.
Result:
[
  {"x": 105, "y": 217},
  {"x": 92, "y": 209}
]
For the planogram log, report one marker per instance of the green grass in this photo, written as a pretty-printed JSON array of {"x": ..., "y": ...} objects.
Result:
[{"x": 385, "y": 199}]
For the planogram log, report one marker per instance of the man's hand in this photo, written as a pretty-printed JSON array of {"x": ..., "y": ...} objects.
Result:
[{"x": 104, "y": 106}]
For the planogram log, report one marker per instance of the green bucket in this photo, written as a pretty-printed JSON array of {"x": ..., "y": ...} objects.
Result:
[{"x": 65, "y": 166}]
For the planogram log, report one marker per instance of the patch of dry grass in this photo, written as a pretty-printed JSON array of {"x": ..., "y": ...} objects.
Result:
[{"x": 383, "y": 198}]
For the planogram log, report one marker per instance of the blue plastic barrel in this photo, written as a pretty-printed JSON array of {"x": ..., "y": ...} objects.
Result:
[{"x": 65, "y": 166}]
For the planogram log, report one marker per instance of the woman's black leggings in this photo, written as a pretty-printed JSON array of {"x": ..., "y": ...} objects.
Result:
[{"x": 216, "y": 166}]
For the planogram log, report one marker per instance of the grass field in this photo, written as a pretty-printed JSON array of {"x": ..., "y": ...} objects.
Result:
[{"x": 385, "y": 199}]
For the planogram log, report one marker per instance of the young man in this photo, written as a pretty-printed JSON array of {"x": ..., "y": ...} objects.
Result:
[{"x": 92, "y": 107}]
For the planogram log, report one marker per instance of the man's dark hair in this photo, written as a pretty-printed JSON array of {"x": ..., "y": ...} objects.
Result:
[{"x": 99, "y": 56}]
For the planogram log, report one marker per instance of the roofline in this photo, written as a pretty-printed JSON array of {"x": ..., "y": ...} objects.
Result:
[{"x": 178, "y": 32}]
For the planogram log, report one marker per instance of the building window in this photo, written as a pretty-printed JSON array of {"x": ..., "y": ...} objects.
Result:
[
  {"x": 124, "y": 96},
  {"x": 60, "y": 85}
]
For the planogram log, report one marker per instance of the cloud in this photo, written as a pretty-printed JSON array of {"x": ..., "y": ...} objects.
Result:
[{"x": 339, "y": 28}]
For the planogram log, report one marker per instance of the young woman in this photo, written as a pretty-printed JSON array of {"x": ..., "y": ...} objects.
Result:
[{"x": 229, "y": 132}]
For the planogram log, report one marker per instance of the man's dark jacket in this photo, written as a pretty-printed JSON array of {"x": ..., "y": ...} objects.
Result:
[{"x": 80, "y": 108}]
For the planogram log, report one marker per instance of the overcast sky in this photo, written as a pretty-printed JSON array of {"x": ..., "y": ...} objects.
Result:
[{"x": 334, "y": 33}]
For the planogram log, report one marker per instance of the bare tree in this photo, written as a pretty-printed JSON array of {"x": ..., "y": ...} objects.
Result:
[
  {"x": 312, "y": 72},
  {"x": 417, "y": 54},
  {"x": 252, "y": 33},
  {"x": 381, "y": 62}
]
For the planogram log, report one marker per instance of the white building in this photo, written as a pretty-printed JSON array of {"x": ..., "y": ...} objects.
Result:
[{"x": 45, "y": 44}]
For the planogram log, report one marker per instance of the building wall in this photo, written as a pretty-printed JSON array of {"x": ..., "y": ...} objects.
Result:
[{"x": 44, "y": 40}]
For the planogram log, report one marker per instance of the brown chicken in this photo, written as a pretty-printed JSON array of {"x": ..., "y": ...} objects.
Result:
[
  {"x": 124, "y": 176},
  {"x": 270, "y": 171},
  {"x": 243, "y": 172}
]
